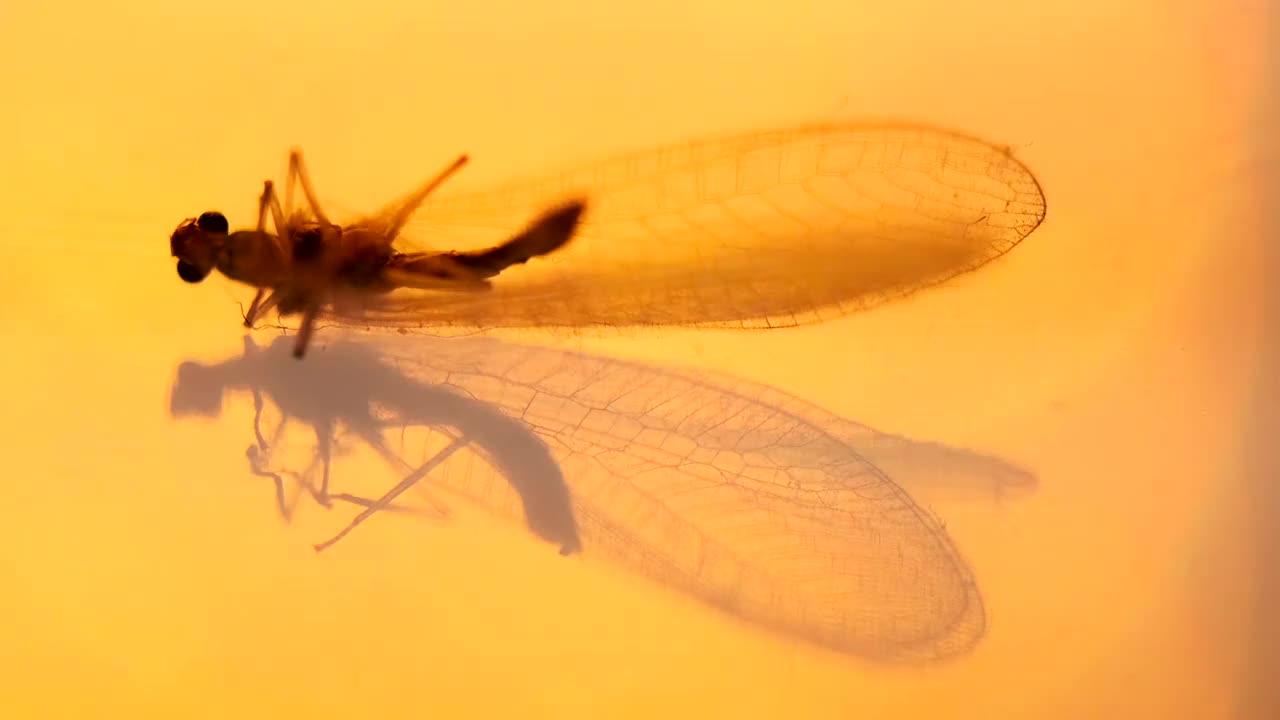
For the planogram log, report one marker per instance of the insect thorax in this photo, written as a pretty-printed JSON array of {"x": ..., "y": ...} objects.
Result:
[{"x": 252, "y": 258}]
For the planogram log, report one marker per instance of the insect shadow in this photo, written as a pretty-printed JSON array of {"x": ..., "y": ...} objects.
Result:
[{"x": 752, "y": 501}]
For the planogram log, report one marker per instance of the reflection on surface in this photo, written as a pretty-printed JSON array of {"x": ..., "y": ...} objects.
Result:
[{"x": 753, "y": 501}]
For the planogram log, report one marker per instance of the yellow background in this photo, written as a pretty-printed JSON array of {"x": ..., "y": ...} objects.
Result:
[{"x": 1119, "y": 352}]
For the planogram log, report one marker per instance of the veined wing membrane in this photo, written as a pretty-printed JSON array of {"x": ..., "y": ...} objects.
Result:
[
  {"x": 718, "y": 487},
  {"x": 762, "y": 230}
]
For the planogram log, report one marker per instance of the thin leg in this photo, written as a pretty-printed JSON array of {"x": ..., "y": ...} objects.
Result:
[
  {"x": 392, "y": 507},
  {"x": 257, "y": 417},
  {"x": 253, "y": 308},
  {"x": 298, "y": 170},
  {"x": 258, "y": 467},
  {"x": 409, "y": 481},
  {"x": 374, "y": 441},
  {"x": 269, "y": 201},
  {"x": 324, "y": 446},
  {"x": 264, "y": 203},
  {"x": 305, "y": 329},
  {"x": 303, "y": 481},
  {"x": 263, "y": 443},
  {"x": 251, "y": 318},
  {"x": 259, "y": 455},
  {"x": 285, "y": 506}
]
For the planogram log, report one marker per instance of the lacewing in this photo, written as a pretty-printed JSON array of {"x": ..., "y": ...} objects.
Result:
[{"x": 763, "y": 230}]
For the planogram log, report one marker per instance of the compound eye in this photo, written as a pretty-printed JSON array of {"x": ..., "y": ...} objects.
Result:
[
  {"x": 213, "y": 222},
  {"x": 190, "y": 273}
]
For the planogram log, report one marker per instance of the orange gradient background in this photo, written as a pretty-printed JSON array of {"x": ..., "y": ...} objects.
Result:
[{"x": 1120, "y": 352}]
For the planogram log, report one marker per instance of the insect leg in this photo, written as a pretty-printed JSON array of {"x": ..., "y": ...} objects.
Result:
[
  {"x": 253, "y": 307},
  {"x": 264, "y": 203},
  {"x": 366, "y": 502},
  {"x": 258, "y": 467},
  {"x": 409, "y": 481},
  {"x": 323, "y": 456},
  {"x": 440, "y": 509},
  {"x": 259, "y": 455},
  {"x": 254, "y": 313},
  {"x": 306, "y": 329},
  {"x": 264, "y": 445},
  {"x": 324, "y": 447},
  {"x": 268, "y": 202},
  {"x": 298, "y": 170}
]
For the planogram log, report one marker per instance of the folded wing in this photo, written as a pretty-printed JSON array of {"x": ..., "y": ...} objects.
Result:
[{"x": 764, "y": 230}]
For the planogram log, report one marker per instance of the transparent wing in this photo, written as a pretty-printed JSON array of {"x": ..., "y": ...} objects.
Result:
[
  {"x": 747, "y": 499},
  {"x": 734, "y": 493},
  {"x": 762, "y": 230}
]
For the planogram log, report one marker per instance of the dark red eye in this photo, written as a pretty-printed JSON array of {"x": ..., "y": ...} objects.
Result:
[
  {"x": 213, "y": 222},
  {"x": 190, "y": 273}
]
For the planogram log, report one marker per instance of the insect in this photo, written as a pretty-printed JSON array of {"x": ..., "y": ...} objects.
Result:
[
  {"x": 762, "y": 230},
  {"x": 311, "y": 262},
  {"x": 746, "y": 498}
]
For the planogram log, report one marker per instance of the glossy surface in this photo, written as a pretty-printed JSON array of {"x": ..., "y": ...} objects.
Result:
[{"x": 1080, "y": 418}]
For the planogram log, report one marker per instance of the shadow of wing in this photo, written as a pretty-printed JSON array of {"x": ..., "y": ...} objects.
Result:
[
  {"x": 722, "y": 494},
  {"x": 746, "y": 498}
]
